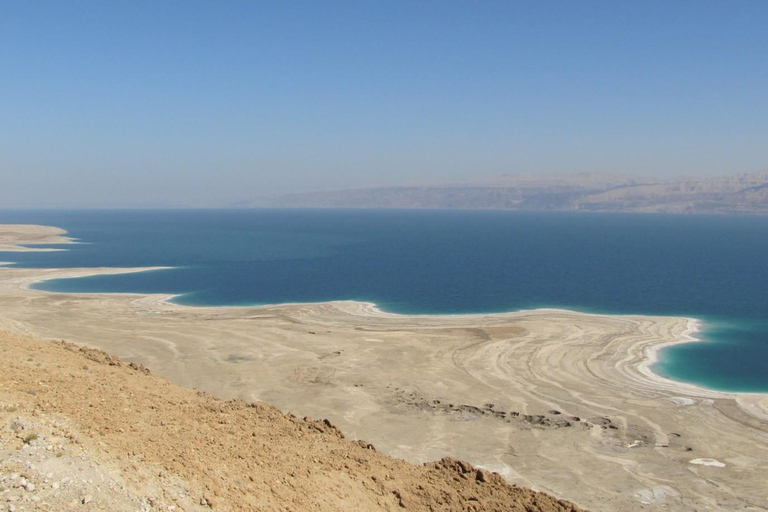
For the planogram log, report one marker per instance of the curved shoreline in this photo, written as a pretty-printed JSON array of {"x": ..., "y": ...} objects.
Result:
[
  {"x": 51, "y": 235},
  {"x": 36, "y": 234},
  {"x": 371, "y": 309},
  {"x": 499, "y": 390},
  {"x": 18, "y": 238}
]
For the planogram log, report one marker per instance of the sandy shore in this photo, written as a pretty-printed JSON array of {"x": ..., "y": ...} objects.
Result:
[
  {"x": 559, "y": 401},
  {"x": 16, "y": 237}
]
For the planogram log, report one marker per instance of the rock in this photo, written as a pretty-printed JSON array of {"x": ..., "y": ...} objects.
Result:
[
  {"x": 87, "y": 499},
  {"x": 367, "y": 446},
  {"x": 470, "y": 409},
  {"x": 400, "y": 499},
  {"x": 537, "y": 419}
]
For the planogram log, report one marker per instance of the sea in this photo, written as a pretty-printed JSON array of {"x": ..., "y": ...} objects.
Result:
[{"x": 436, "y": 262}]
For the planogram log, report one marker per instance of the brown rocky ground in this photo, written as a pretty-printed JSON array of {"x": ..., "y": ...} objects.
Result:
[{"x": 80, "y": 430}]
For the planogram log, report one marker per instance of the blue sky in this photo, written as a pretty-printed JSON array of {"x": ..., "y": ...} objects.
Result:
[{"x": 207, "y": 103}]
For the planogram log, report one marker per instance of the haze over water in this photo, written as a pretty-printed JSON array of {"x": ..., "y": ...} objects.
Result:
[{"x": 444, "y": 262}]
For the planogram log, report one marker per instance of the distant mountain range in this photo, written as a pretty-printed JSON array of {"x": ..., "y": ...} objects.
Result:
[{"x": 745, "y": 193}]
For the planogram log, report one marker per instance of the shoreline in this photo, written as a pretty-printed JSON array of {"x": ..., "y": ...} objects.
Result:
[
  {"x": 55, "y": 235},
  {"x": 372, "y": 309},
  {"x": 552, "y": 399},
  {"x": 17, "y": 238}
]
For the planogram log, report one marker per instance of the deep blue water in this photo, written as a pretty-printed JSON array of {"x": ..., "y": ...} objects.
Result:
[{"x": 711, "y": 267}]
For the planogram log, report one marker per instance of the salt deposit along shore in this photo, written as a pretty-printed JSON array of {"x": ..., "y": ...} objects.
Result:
[{"x": 558, "y": 401}]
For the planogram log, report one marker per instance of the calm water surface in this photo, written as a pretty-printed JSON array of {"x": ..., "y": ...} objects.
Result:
[{"x": 710, "y": 267}]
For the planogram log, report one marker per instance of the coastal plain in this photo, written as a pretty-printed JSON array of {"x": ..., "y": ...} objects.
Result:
[{"x": 558, "y": 401}]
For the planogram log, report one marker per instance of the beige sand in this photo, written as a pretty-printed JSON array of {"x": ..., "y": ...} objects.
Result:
[
  {"x": 11, "y": 236},
  {"x": 421, "y": 387}
]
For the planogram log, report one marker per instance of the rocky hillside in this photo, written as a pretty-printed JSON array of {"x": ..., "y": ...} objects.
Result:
[
  {"x": 747, "y": 193},
  {"x": 80, "y": 430}
]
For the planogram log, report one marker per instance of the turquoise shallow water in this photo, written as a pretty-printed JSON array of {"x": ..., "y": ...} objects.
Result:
[{"x": 714, "y": 268}]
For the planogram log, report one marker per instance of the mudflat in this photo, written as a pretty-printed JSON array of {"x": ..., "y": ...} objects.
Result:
[{"x": 558, "y": 401}]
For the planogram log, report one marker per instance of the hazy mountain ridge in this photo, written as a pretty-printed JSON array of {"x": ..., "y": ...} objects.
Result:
[{"x": 744, "y": 193}]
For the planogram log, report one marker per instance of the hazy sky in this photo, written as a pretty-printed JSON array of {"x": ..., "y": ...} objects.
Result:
[{"x": 208, "y": 103}]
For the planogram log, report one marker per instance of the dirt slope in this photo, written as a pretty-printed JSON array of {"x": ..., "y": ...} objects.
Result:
[{"x": 81, "y": 430}]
